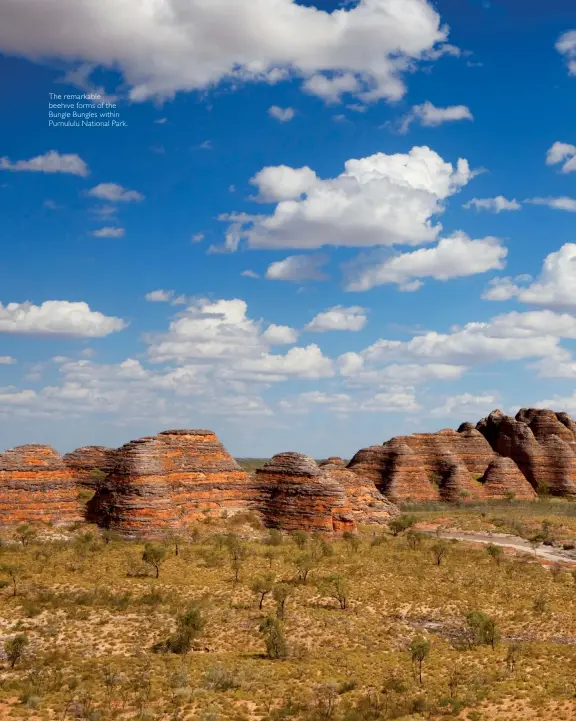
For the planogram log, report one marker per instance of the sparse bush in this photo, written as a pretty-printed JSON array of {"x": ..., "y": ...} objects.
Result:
[
  {"x": 483, "y": 629},
  {"x": 439, "y": 551},
  {"x": 304, "y": 564},
  {"x": 274, "y": 538},
  {"x": 220, "y": 678},
  {"x": 419, "y": 652},
  {"x": 14, "y": 648},
  {"x": 262, "y": 587},
  {"x": 14, "y": 573},
  {"x": 335, "y": 587},
  {"x": 280, "y": 594},
  {"x": 300, "y": 538},
  {"x": 495, "y": 552},
  {"x": 352, "y": 540},
  {"x": 25, "y": 534},
  {"x": 401, "y": 524},
  {"x": 189, "y": 627},
  {"x": 274, "y": 638},
  {"x": 154, "y": 556}
]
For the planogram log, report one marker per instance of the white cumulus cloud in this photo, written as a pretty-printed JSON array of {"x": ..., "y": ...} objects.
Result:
[
  {"x": 561, "y": 203},
  {"x": 495, "y": 205},
  {"x": 50, "y": 162},
  {"x": 166, "y": 46},
  {"x": 115, "y": 193},
  {"x": 431, "y": 116},
  {"x": 566, "y": 46},
  {"x": 338, "y": 318},
  {"x": 554, "y": 288},
  {"x": 378, "y": 200},
  {"x": 280, "y": 335},
  {"x": 57, "y": 317},
  {"x": 562, "y": 153},
  {"x": 283, "y": 115},
  {"x": 453, "y": 257},
  {"x": 298, "y": 268},
  {"x": 160, "y": 296}
]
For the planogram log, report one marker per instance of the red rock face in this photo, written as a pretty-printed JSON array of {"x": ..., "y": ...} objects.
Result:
[
  {"x": 503, "y": 477},
  {"x": 396, "y": 471},
  {"x": 36, "y": 486},
  {"x": 90, "y": 464},
  {"x": 541, "y": 443},
  {"x": 295, "y": 493},
  {"x": 367, "y": 505},
  {"x": 163, "y": 483}
]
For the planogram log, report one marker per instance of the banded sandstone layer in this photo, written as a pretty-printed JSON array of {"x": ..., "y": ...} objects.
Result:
[
  {"x": 37, "y": 486},
  {"x": 367, "y": 505},
  {"x": 541, "y": 443},
  {"x": 90, "y": 464},
  {"x": 295, "y": 493},
  {"x": 163, "y": 483}
]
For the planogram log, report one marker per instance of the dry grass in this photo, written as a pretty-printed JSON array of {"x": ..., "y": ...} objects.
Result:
[{"x": 92, "y": 620}]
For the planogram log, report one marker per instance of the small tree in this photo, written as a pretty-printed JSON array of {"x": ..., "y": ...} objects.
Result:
[
  {"x": 274, "y": 537},
  {"x": 414, "y": 539},
  {"x": 419, "y": 651},
  {"x": 14, "y": 573},
  {"x": 274, "y": 638},
  {"x": 321, "y": 548},
  {"x": 237, "y": 552},
  {"x": 189, "y": 627},
  {"x": 401, "y": 524},
  {"x": 270, "y": 554},
  {"x": 352, "y": 540},
  {"x": 175, "y": 540},
  {"x": 495, "y": 552},
  {"x": 14, "y": 648},
  {"x": 439, "y": 550},
  {"x": 25, "y": 534},
  {"x": 262, "y": 587},
  {"x": 300, "y": 538},
  {"x": 280, "y": 594},
  {"x": 483, "y": 629},
  {"x": 335, "y": 587},
  {"x": 304, "y": 564},
  {"x": 512, "y": 655},
  {"x": 154, "y": 556}
]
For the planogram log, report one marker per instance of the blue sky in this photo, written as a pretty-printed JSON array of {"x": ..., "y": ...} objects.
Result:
[{"x": 322, "y": 227}]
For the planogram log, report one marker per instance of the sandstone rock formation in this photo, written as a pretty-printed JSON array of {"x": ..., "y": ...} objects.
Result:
[
  {"x": 295, "y": 493},
  {"x": 541, "y": 443},
  {"x": 36, "y": 486},
  {"x": 90, "y": 464},
  {"x": 163, "y": 483},
  {"x": 502, "y": 478},
  {"x": 367, "y": 505}
]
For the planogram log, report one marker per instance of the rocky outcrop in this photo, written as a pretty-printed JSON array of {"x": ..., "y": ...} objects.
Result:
[
  {"x": 541, "y": 443},
  {"x": 367, "y": 505},
  {"x": 396, "y": 471},
  {"x": 90, "y": 464},
  {"x": 36, "y": 486},
  {"x": 163, "y": 483},
  {"x": 503, "y": 479},
  {"x": 295, "y": 493}
]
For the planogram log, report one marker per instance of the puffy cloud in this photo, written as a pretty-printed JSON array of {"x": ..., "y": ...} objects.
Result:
[
  {"x": 7, "y": 360},
  {"x": 115, "y": 193},
  {"x": 495, "y": 205},
  {"x": 466, "y": 405},
  {"x": 160, "y": 296},
  {"x": 50, "y": 162},
  {"x": 566, "y": 46},
  {"x": 208, "y": 331},
  {"x": 280, "y": 335},
  {"x": 554, "y": 288},
  {"x": 566, "y": 404},
  {"x": 169, "y": 46},
  {"x": 109, "y": 232},
  {"x": 298, "y": 268},
  {"x": 453, "y": 257},
  {"x": 283, "y": 115},
  {"x": 562, "y": 203},
  {"x": 430, "y": 116},
  {"x": 57, "y": 317},
  {"x": 276, "y": 183},
  {"x": 378, "y": 200},
  {"x": 508, "y": 337},
  {"x": 331, "y": 89},
  {"x": 308, "y": 362},
  {"x": 396, "y": 399},
  {"x": 338, "y": 318},
  {"x": 353, "y": 367},
  {"x": 562, "y": 153}
]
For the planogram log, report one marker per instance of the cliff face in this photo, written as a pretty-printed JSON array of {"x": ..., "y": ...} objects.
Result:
[
  {"x": 295, "y": 493},
  {"x": 36, "y": 486},
  {"x": 90, "y": 464},
  {"x": 541, "y": 443},
  {"x": 163, "y": 483},
  {"x": 502, "y": 478}
]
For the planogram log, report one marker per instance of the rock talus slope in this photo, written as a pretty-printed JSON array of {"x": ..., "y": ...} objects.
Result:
[
  {"x": 163, "y": 483},
  {"x": 37, "y": 486}
]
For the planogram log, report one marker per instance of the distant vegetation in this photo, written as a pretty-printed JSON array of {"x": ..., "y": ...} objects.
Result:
[{"x": 252, "y": 464}]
